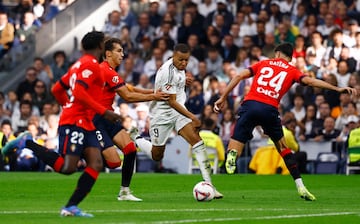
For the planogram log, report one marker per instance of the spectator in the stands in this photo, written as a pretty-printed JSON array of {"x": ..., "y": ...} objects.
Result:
[
  {"x": 113, "y": 25},
  {"x": 43, "y": 71},
  {"x": 59, "y": 65},
  {"x": 127, "y": 72},
  {"x": 350, "y": 61},
  {"x": 229, "y": 49},
  {"x": 316, "y": 48},
  {"x": 195, "y": 101},
  {"x": 142, "y": 29},
  {"x": 28, "y": 85},
  {"x": 10, "y": 103},
  {"x": 126, "y": 13},
  {"x": 328, "y": 26},
  {"x": 6, "y": 34},
  {"x": 126, "y": 42},
  {"x": 41, "y": 95},
  {"x": 305, "y": 125},
  {"x": 19, "y": 121},
  {"x": 318, "y": 124},
  {"x": 328, "y": 132},
  {"x": 154, "y": 16}
]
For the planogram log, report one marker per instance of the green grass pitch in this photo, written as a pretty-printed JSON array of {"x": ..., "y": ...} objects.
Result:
[{"x": 38, "y": 197}]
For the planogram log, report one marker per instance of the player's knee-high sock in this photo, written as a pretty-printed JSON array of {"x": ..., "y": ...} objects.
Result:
[
  {"x": 84, "y": 185},
  {"x": 128, "y": 166},
  {"x": 202, "y": 158},
  {"x": 50, "y": 157},
  {"x": 290, "y": 162},
  {"x": 144, "y": 145}
]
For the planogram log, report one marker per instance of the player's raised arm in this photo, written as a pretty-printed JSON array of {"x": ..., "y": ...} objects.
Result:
[{"x": 244, "y": 74}]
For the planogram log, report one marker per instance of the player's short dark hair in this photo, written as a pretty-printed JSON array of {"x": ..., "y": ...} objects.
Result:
[
  {"x": 183, "y": 48},
  {"x": 285, "y": 48},
  {"x": 109, "y": 43},
  {"x": 92, "y": 40}
]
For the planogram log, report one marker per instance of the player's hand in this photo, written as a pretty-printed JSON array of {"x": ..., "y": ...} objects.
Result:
[
  {"x": 159, "y": 95},
  {"x": 218, "y": 105},
  {"x": 112, "y": 117},
  {"x": 189, "y": 79},
  {"x": 350, "y": 90},
  {"x": 196, "y": 122}
]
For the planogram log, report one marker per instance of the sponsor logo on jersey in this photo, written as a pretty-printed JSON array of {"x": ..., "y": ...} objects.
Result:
[{"x": 266, "y": 92}]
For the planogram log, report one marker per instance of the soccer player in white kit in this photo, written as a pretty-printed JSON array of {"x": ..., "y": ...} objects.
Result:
[{"x": 165, "y": 116}]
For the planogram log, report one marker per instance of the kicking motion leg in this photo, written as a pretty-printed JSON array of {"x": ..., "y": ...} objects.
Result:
[{"x": 290, "y": 161}]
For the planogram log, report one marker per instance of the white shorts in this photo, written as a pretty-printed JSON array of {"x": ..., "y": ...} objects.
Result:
[{"x": 161, "y": 128}]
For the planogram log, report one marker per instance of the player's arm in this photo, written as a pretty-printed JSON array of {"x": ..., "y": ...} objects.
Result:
[
  {"x": 244, "y": 74},
  {"x": 324, "y": 85},
  {"x": 132, "y": 88},
  {"x": 59, "y": 90},
  {"x": 132, "y": 96},
  {"x": 182, "y": 110}
]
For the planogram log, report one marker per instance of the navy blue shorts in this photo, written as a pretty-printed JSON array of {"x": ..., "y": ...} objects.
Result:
[
  {"x": 252, "y": 114},
  {"x": 73, "y": 140},
  {"x": 107, "y": 129}
]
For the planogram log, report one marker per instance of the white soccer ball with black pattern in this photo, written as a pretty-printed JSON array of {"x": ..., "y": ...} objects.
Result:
[{"x": 203, "y": 191}]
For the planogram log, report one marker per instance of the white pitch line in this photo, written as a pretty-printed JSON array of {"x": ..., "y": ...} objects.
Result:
[
  {"x": 254, "y": 218},
  {"x": 160, "y": 210}
]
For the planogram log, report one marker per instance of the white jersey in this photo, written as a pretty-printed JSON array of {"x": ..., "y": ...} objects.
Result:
[{"x": 172, "y": 81}]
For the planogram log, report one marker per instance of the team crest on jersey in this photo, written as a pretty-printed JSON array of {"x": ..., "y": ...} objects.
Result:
[
  {"x": 86, "y": 73},
  {"x": 115, "y": 79},
  {"x": 168, "y": 86}
]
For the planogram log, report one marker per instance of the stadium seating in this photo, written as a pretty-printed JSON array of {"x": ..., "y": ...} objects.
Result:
[{"x": 327, "y": 163}]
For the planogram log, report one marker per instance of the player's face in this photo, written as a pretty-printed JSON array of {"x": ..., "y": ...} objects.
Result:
[
  {"x": 117, "y": 54},
  {"x": 180, "y": 60}
]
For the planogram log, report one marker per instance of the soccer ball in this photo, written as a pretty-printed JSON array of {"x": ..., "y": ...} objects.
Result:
[{"x": 203, "y": 191}]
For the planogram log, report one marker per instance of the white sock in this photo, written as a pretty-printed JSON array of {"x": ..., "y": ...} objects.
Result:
[
  {"x": 144, "y": 145},
  {"x": 299, "y": 182},
  {"x": 202, "y": 158}
]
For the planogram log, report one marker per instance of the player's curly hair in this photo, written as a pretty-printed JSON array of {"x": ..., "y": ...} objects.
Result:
[{"x": 92, "y": 40}]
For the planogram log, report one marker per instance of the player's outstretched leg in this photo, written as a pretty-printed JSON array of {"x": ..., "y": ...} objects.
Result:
[
  {"x": 230, "y": 163},
  {"x": 18, "y": 143}
]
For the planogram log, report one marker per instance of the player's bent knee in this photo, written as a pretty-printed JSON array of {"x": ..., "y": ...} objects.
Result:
[
  {"x": 113, "y": 165},
  {"x": 67, "y": 170}
]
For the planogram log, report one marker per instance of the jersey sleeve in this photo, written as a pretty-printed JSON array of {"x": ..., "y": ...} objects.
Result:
[
  {"x": 298, "y": 76},
  {"x": 112, "y": 79},
  {"x": 59, "y": 90}
]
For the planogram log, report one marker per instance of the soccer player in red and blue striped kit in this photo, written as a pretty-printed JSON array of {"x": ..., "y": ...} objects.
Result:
[
  {"x": 271, "y": 80},
  {"x": 78, "y": 137},
  {"x": 115, "y": 133}
]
